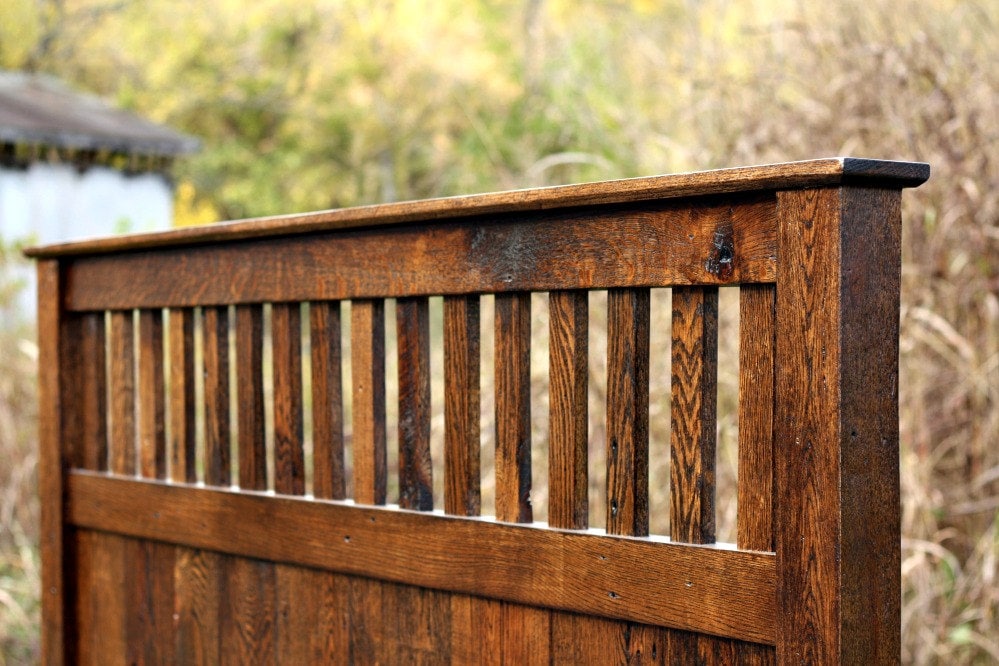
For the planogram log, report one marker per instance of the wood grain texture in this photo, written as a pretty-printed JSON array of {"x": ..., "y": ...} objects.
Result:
[
  {"x": 789, "y": 175},
  {"x": 328, "y": 480},
  {"x": 711, "y": 241},
  {"x": 312, "y": 617},
  {"x": 694, "y": 391},
  {"x": 251, "y": 444},
  {"x": 526, "y": 634},
  {"x": 476, "y": 630},
  {"x": 367, "y": 353},
  {"x": 697, "y": 588},
  {"x": 56, "y": 361},
  {"x": 416, "y": 487},
  {"x": 197, "y": 584},
  {"x": 182, "y": 415},
  {"x": 628, "y": 412},
  {"x": 568, "y": 313},
  {"x": 149, "y": 601},
  {"x": 513, "y": 407},
  {"x": 122, "y": 430},
  {"x": 289, "y": 452},
  {"x": 837, "y": 477},
  {"x": 102, "y": 612},
  {"x": 93, "y": 392},
  {"x": 151, "y": 396},
  {"x": 757, "y": 365},
  {"x": 248, "y": 622},
  {"x": 218, "y": 429},
  {"x": 462, "y": 495}
]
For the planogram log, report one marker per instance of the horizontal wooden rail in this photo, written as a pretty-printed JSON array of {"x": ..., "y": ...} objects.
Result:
[
  {"x": 642, "y": 580},
  {"x": 713, "y": 241}
]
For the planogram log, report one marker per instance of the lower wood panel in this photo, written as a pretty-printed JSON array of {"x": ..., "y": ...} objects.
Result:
[{"x": 146, "y": 602}]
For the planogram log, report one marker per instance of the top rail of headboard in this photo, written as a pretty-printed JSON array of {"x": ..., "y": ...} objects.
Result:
[{"x": 786, "y": 176}]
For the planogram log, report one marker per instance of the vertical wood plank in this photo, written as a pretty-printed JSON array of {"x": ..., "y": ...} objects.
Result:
[
  {"x": 628, "y": 412},
  {"x": 196, "y": 606},
  {"x": 250, "y": 396},
  {"x": 476, "y": 630},
  {"x": 182, "y": 415},
  {"x": 837, "y": 503},
  {"x": 416, "y": 488},
  {"x": 568, "y": 438},
  {"x": 54, "y": 365},
  {"x": 461, "y": 406},
  {"x": 152, "y": 404},
  {"x": 328, "y": 479},
  {"x": 513, "y": 407},
  {"x": 93, "y": 392},
  {"x": 215, "y": 334},
  {"x": 694, "y": 406},
  {"x": 367, "y": 344},
  {"x": 109, "y": 606},
  {"x": 526, "y": 634},
  {"x": 247, "y": 619},
  {"x": 289, "y": 454},
  {"x": 757, "y": 333},
  {"x": 366, "y": 630},
  {"x": 150, "y": 601},
  {"x": 122, "y": 392},
  {"x": 310, "y": 625}
]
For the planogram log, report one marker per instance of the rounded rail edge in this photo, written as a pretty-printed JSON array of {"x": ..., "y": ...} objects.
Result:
[{"x": 788, "y": 175}]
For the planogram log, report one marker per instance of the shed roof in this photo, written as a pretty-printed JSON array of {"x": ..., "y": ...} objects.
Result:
[{"x": 40, "y": 109}]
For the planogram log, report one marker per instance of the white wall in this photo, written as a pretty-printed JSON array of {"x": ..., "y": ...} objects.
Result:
[{"x": 49, "y": 203}]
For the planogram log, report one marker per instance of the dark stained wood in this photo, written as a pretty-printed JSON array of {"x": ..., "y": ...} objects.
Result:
[
  {"x": 312, "y": 617},
  {"x": 366, "y": 638},
  {"x": 476, "y": 630},
  {"x": 367, "y": 345},
  {"x": 182, "y": 424},
  {"x": 149, "y": 603},
  {"x": 461, "y": 406},
  {"x": 93, "y": 392},
  {"x": 513, "y": 407},
  {"x": 289, "y": 453},
  {"x": 151, "y": 396},
  {"x": 248, "y": 623},
  {"x": 122, "y": 351},
  {"x": 652, "y": 581},
  {"x": 693, "y": 410},
  {"x": 102, "y": 601},
  {"x": 790, "y": 175},
  {"x": 53, "y": 376},
  {"x": 197, "y": 581},
  {"x": 416, "y": 624},
  {"x": 251, "y": 444},
  {"x": 218, "y": 431},
  {"x": 416, "y": 487},
  {"x": 568, "y": 437},
  {"x": 757, "y": 334},
  {"x": 628, "y": 412},
  {"x": 716, "y": 241},
  {"x": 328, "y": 480},
  {"x": 837, "y": 513}
]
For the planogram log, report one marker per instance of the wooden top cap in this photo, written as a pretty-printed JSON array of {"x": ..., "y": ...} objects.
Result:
[{"x": 785, "y": 176}]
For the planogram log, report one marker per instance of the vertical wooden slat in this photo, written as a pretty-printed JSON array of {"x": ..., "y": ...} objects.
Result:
[
  {"x": 94, "y": 391},
  {"x": 196, "y": 624},
  {"x": 55, "y": 361},
  {"x": 150, "y": 601},
  {"x": 526, "y": 634},
  {"x": 289, "y": 455},
  {"x": 837, "y": 501},
  {"x": 568, "y": 440},
  {"x": 247, "y": 618},
  {"x": 757, "y": 332},
  {"x": 250, "y": 396},
  {"x": 215, "y": 334},
  {"x": 513, "y": 408},
  {"x": 310, "y": 626},
  {"x": 694, "y": 406},
  {"x": 367, "y": 343},
  {"x": 152, "y": 421},
  {"x": 328, "y": 479},
  {"x": 182, "y": 425},
  {"x": 122, "y": 392},
  {"x": 461, "y": 406},
  {"x": 628, "y": 412},
  {"x": 416, "y": 488}
]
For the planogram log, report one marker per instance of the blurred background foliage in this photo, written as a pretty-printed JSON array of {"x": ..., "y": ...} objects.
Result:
[{"x": 326, "y": 103}]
